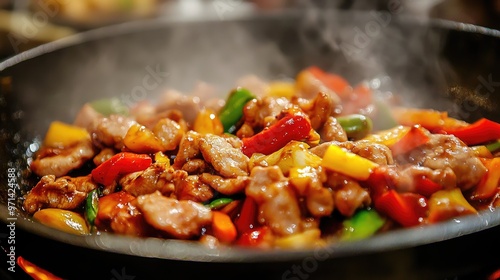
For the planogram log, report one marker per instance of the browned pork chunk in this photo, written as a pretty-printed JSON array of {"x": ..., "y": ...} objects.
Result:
[
  {"x": 230, "y": 186},
  {"x": 59, "y": 162},
  {"x": 63, "y": 193},
  {"x": 180, "y": 219},
  {"x": 447, "y": 151},
  {"x": 332, "y": 131},
  {"x": 156, "y": 177},
  {"x": 278, "y": 205},
  {"x": 188, "y": 148},
  {"x": 109, "y": 132},
  {"x": 192, "y": 188},
  {"x": 230, "y": 162}
]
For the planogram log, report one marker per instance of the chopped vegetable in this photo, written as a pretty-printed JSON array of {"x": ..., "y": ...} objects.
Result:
[
  {"x": 482, "y": 151},
  {"x": 139, "y": 139},
  {"x": 408, "y": 209},
  {"x": 481, "y": 131},
  {"x": 119, "y": 164},
  {"x": 290, "y": 127},
  {"x": 223, "y": 227},
  {"x": 65, "y": 220},
  {"x": 110, "y": 106},
  {"x": 61, "y": 135},
  {"x": 232, "y": 111},
  {"x": 91, "y": 206},
  {"x": 255, "y": 238},
  {"x": 414, "y": 138},
  {"x": 334, "y": 82},
  {"x": 493, "y": 147},
  {"x": 488, "y": 186},
  {"x": 347, "y": 163},
  {"x": 248, "y": 216},
  {"x": 363, "y": 224},
  {"x": 308, "y": 238},
  {"x": 36, "y": 272},
  {"x": 446, "y": 204},
  {"x": 281, "y": 89},
  {"x": 426, "y": 186},
  {"x": 294, "y": 154},
  {"x": 208, "y": 122},
  {"x": 356, "y": 126},
  {"x": 427, "y": 118},
  {"x": 218, "y": 203},
  {"x": 160, "y": 157},
  {"x": 388, "y": 137},
  {"x": 383, "y": 118}
]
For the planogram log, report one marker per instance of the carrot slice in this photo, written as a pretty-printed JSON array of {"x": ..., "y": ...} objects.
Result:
[{"x": 223, "y": 227}]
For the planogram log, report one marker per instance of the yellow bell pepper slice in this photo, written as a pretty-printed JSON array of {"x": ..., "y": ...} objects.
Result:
[
  {"x": 389, "y": 136},
  {"x": 61, "y": 135},
  {"x": 64, "y": 220},
  {"x": 207, "y": 121},
  {"x": 281, "y": 89},
  {"x": 446, "y": 204},
  {"x": 139, "y": 139},
  {"x": 347, "y": 163}
]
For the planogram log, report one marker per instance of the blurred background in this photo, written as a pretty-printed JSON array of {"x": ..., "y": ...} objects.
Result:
[{"x": 25, "y": 24}]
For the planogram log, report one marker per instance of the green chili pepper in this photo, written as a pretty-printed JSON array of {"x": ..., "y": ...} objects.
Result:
[
  {"x": 219, "y": 203},
  {"x": 91, "y": 206},
  {"x": 362, "y": 225},
  {"x": 232, "y": 111},
  {"x": 494, "y": 146},
  {"x": 109, "y": 106},
  {"x": 383, "y": 118},
  {"x": 356, "y": 126}
]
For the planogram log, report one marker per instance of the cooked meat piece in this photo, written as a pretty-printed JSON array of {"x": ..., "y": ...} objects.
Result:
[
  {"x": 447, "y": 151},
  {"x": 189, "y": 148},
  {"x": 332, "y": 131},
  {"x": 192, "y": 188},
  {"x": 377, "y": 153},
  {"x": 210, "y": 241},
  {"x": 403, "y": 178},
  {"x": 110, "y": 131},
  {"x": 229, "y": 186},
  {"x": 350, "y": 197},
  {"x": 86, "y": 116},
  {"x": 319, "y": 201},
  {"x": 318, "y": 109},
  {"x": 64, "y": 193},
  {"x": 103, "y": 156},
  {"x": 128, "y": 220},
  {"x": 59, "y": 162},
  {"x": 276, "y": 200},
  {"x": 228, "y": 161},
  {"x": 262, "y": 112},
  {"x": 189, "y": 106},
  {"x": 196, "y": 166},
  {"x": 169, "y": 132},
  {"x": 156, "y": 177},
  {"x": 183, "y": 219}
]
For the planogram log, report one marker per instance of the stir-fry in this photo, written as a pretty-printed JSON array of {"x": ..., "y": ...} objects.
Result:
[{"x": 280, "y": 164}]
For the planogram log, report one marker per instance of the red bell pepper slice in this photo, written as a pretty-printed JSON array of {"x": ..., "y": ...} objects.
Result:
[
  {"x": 481, "y": 131},
  {"x": 118, "y": 165},
  {"x": 253, "y": 238},
  {"x": 248, "y": 216},
  {"x": 334, "y": 82},
  {"x": 290, "y": 127},
  {"x": 414, "y": 138},
  {"x": 407, "y": 209},
  {"x": 426, "y": 186}
]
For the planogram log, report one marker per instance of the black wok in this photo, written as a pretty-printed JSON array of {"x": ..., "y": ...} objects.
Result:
[{"x": 443, "y": 65}]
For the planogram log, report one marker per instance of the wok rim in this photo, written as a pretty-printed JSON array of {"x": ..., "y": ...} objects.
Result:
[{"x": 171, "y": 249}]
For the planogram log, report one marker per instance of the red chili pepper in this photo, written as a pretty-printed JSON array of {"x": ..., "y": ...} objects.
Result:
[
  {"x": 119, "y": 164},
  {"x": 412, "y": 139},
  {"x": 253, "y": 238},
  {"x": 426, "y": 186},
  {"x": 34, "y": 271},
  {"x": 408, "y": 209},
  {"x": 481, "y": 131},
  {"x": 248, "y": 216},
  {"x": 291, "y": 127}
]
